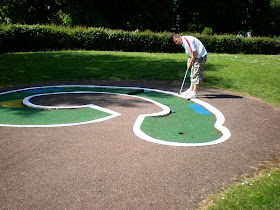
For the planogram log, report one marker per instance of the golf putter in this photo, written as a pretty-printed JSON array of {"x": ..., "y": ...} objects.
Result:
[{"x": 183, "y": 81}]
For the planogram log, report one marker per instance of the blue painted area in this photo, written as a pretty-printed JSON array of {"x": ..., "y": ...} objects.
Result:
[
  {"x": 41, "y": 90},
  {"x": 199, "y": 109}
]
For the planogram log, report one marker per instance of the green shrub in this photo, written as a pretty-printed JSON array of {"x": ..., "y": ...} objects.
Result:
[
  {"x": 207, "y": 31},
  {"x": 22, "y": 38},
  {"x": 234, "y": 45}
]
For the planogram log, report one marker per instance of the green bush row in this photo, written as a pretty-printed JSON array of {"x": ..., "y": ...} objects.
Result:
[
  {"x": 22, "y": 38},
  {"x": 235, "y": 45}
]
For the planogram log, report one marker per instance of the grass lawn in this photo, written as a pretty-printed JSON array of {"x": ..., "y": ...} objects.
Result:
[
  {"x": 261, "y": 192},
  {"x": 255, "y": 75}
]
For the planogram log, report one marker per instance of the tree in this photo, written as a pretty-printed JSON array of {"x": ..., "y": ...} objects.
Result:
[
  {"x": 25, "y": 11},
  {"x": 260, "y": 16},
  {"x": 142, "y": 14},
  {"x": 220, "y": 15},
  {"x": 275, "y": 14}
]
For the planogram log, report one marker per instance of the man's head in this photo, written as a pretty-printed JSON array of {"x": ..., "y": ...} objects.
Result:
[{"x": 177, "y": 39}]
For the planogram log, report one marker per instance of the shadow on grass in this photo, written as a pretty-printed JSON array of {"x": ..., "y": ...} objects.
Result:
[
  {"x": 214, "y": 67},
  {"x": 213, "y": 81},
  {"x": 24, "y": 68}
]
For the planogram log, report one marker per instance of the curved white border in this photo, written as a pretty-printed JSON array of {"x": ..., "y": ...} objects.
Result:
[
  {"x": 27, "y": 103},
  {"x": 137, "y": 125}
]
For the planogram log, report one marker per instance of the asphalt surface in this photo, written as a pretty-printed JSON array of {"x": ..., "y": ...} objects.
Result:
[{"x": 105, "y": 166}]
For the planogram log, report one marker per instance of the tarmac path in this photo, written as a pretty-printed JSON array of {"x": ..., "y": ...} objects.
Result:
[{"x": 105, "y": 166}]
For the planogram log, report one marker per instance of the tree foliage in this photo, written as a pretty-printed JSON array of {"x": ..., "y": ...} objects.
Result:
[{"x": 262, "y": 17}]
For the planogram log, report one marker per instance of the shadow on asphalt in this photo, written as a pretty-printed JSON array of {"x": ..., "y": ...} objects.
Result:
[{"x": 216, "y": 96}]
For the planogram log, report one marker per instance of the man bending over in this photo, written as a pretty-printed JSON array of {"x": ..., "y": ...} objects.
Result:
[{"x": 196, "y": 61}]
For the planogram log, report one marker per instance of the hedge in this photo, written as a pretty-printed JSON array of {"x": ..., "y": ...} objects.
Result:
[{"x": 24, "y": 38}]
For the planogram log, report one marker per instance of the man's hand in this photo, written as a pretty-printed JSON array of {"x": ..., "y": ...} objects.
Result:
[{"x": 189, "y": 63}]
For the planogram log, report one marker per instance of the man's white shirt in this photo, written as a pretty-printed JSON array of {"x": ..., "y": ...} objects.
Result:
[{"x": 192, "y": 44}]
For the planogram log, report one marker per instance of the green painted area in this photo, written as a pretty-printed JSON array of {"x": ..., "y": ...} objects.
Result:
[
  {"x": 184, "y": 125},
  {"x": 14, "y": 96},
  {"x": 28, "y": 116}
]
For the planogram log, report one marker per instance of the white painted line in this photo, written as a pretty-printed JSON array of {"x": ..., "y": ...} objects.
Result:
[
  {"x": 220, "y": 119},
  {"x": 61, "y": 125}
]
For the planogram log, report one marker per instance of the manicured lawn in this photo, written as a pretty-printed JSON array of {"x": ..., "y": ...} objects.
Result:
[{"x": 255, "y": 75}]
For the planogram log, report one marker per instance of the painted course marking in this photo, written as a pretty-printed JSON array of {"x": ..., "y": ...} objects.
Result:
[
  {"x": 199, "y": 109},
  {"x": 200, "y": 106}
]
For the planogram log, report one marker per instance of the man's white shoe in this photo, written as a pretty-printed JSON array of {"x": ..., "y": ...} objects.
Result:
[
  {"x": 191, "y": 95},
  {"x": 186, "y": 92}
]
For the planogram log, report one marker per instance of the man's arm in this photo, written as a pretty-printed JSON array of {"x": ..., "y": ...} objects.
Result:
[{"x": 191, "y": 59}]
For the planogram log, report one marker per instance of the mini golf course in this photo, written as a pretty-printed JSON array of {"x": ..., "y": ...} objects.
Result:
[{"x": 180, "y": 123}]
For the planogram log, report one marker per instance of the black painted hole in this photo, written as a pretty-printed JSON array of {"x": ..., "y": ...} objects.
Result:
[{"x": 181, "y": 133}]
